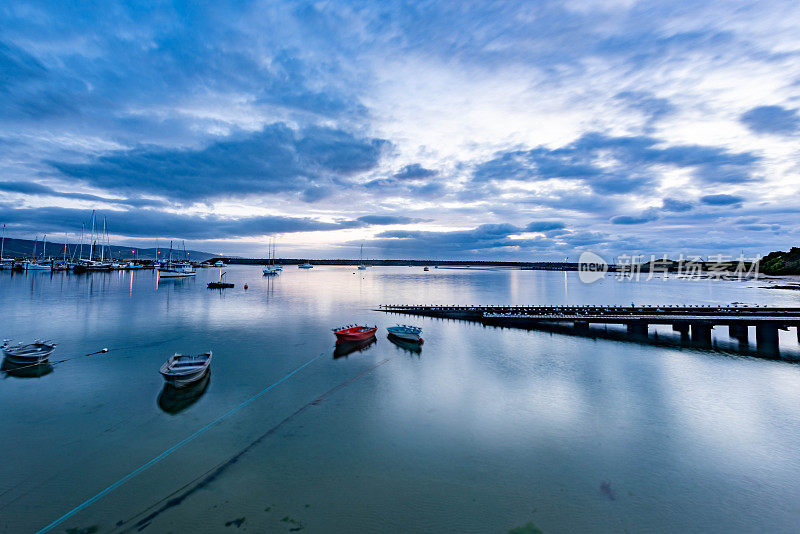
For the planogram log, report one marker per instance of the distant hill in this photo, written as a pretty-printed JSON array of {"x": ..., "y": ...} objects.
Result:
[
  {"x": 18, "y": 248},
  {"x": 780, "y": 262}
]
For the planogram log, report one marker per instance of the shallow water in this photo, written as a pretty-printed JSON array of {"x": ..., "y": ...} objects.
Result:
[{"x": 483, "y": 430}]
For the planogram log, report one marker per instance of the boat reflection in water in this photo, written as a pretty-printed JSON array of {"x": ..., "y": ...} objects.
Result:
[
  {"x": 175, "y": 400},
  {"x": 345, "y": 348},
  {"x": 413, "y": 347},
  {"x": 25, "y": 370}
]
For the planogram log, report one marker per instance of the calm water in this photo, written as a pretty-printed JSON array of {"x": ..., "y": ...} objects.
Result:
[{"x": 484, "y": 430}]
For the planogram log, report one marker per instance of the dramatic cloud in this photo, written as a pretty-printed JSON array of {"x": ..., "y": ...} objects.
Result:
[
  {"x": 275, "y": 160},
  {"x": 772, "y": 119},
  {"x": 616, "y": 165},
  {"x": 147, "y": 223},
  {"x": 541, "y": 126}
]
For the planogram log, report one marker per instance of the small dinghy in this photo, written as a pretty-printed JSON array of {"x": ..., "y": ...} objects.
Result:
[
  {"x": 182, "y": 369},
  {"x": 354, "y": 333},
  {"x": 35, "y": 352},
  {"x": 406, "y": 332}
]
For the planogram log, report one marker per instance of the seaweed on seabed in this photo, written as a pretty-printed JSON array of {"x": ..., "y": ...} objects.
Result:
[
  {"x": 235, "y": 522},
  {"x": 527, "y": 528}
]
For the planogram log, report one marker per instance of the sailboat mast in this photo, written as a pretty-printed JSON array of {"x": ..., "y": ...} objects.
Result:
[
  {"x": 44, "y": 248},
  {"x": 102, "y": 241},
  {"x": 3, "y": 243},
  {"x": 91, "y": 245}
]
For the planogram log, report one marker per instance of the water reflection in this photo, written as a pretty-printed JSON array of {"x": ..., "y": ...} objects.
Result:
[
  {"x": 349, "y": 347},
  {"x": 25, "y": 370},
  {"x": 174, "y": 400},
  {"x": 411, "y": 347}
]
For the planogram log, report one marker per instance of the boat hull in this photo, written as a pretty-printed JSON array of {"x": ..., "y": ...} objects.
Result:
[
  {"x": 350, "y": 334},
  {"x": 183, "y": 377},
  {"x": 19, "y": 356},
  {"x": 167, "y": 274},
  {"x": 406, "y": 336},
  {"x": 186, "y": 380}
]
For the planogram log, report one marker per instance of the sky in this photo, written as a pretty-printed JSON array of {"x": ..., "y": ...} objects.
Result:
[{"x": 487, "y": 130}]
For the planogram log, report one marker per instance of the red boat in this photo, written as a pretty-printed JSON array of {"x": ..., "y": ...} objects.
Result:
[{"x": 354, "y": 332}]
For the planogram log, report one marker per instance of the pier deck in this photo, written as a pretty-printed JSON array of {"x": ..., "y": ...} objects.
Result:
[{"x": 695, "y": 322}]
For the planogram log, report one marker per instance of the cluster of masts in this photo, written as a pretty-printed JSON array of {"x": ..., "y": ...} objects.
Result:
[{"x": 99, "y": 256}]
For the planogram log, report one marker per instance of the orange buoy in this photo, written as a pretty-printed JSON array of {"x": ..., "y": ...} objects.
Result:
[{"x": 245, "y": 286}]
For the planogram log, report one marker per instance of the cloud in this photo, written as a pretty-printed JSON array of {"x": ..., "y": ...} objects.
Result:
[
  {"x": 570, "y": 113},
  {"x": 485, "y": 237},
  {"x": 772, "y": 120},
  {"x": 276, "y": 159},
  {"x": 634, "y": 219},
  {"x": 380, "y": 220},
  {"x": 652, "y": 107},
  {"x": 721, "y": 199},
  {"x": 616, "y": 164},
  {"x": 414, "y": 171},
  {"x": 34, "y": 189},
  {"x": 541, "y": 226},
  {"x": 675, "y": 205},
  {"x": 145, "y": 223}
]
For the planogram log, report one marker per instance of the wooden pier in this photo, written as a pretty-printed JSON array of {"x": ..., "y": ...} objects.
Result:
[{"x": 693, "y": 322}]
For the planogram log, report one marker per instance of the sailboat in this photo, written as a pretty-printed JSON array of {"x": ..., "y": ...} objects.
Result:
[
  {"x": 171, "y": 270},
  {"x": 271, "y": 269},
  {"x": 361, "y": 266},
  {"x": 5, "y": 264},
  {"x": 34, "y": 265}
]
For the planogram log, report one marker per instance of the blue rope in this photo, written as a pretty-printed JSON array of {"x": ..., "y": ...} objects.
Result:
[{"x": 172, "y": 449}]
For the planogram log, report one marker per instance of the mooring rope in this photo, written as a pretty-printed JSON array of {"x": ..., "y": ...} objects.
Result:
[
  {"x": 174, "y": 448},
  {"x": 47, "y": 361}
]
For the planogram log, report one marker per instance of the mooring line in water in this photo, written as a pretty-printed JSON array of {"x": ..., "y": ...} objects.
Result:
[
  {"x": 55, "y": 362},
  {"x": 172, "y": 449},
  {"x": 104, "y": 350},
  {"x": 205, "y": 479}
]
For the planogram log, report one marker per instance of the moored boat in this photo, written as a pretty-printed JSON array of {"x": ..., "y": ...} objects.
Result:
[
  {"x": 354, "y": 332},
  {"x": 221, "y": 284},
  {"x": 305, "y": 265},
  {"x": 33, "y": 353},
  {"x": 406, "y": 332},
  {"x": 182, "y": 369},
  {"x": 270, "y": 268},
  {"x": 176, "y": 271}
]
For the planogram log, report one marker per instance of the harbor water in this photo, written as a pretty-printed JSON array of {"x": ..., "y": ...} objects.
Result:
[{"x": 480, "y": 430}]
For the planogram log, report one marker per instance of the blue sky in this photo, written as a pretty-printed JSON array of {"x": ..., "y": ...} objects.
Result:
[{"x": 498, "y": 130}]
